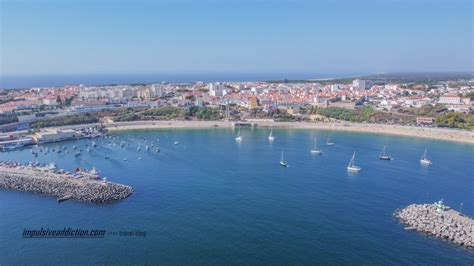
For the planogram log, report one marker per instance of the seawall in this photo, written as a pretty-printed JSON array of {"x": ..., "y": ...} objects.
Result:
[
  {"x": 439, "y": 221},
  {"x": 61, "y": 185}
]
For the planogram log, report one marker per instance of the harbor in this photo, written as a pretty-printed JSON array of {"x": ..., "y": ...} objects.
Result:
[
  {"x": 86, "y": 186},
  {"x": 204, "y": 182},
  {"x": 16, "y": 140},
  {"x": 439, "y": 221}
]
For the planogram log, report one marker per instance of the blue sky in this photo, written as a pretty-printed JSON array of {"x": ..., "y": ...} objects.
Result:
[{"x": 139, "y": 37}]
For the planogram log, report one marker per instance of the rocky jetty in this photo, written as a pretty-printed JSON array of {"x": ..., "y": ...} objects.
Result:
[
  {"x": 440, "y": 221},
  {"x": 81, "y": 187}
]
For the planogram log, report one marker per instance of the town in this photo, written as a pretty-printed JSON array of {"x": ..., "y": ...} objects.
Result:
[{"x": 445, "y": 103}]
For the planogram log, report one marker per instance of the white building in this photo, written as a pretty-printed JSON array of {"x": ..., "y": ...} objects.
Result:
[
  {"x": 450, "y": 99},
  {"x": 216, "y": 89},
  {"x": 358, "y": 84}
]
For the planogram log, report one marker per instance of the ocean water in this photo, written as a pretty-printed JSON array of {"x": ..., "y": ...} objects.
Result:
[
  {"x": 210, "y": 200},
  {"x": 12, "y": 82}
]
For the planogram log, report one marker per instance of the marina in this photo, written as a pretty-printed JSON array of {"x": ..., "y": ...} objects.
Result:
[{"x": 209, "y": 180}]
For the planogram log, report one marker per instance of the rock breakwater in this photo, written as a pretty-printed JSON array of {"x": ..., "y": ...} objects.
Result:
[
  {"x": 61, "y": 185},
  {"x": 440, "y": 221}
]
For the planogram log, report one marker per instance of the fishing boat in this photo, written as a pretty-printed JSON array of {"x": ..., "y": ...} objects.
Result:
[
  {"x": 328, "y": 141},
  {"x": 282, "y": 161},
  {"x": 271, "y": 137},
  {"x": 383, "y": 155},
  {"x": 315, "y": 149},
  {"x": 239, "y": 137},
  {"x": 424, "y": 160},
  {"x": 352, "y": 167}
]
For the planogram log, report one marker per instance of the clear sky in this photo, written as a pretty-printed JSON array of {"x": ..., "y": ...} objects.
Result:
[{"x": 129, "y": 37}]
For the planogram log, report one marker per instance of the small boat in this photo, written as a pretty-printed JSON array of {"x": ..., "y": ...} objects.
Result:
[
  {"x": 271, "y": 137},
  {"x": 424, "y": 160},
  {"x": 125, "y": 159},
  {"x": 282, "y": 161},
  {"x": 61, "y": 199},
  {"x": 328, "y": 142},
  {"x": 239, "y": 137},
  {"x": 157, "y": 150},
  {"x": 147, "y": 148},
  {"x": 384, "y": 156},
  {"x": 176, "y": 143},
  {"x": 106, "y": 157},
  {"x": 77, "y": 153},
  {"x": 52, "y": 166},
  {"x": 315, "y": 150},
  {"x": 352, "y": 167}
]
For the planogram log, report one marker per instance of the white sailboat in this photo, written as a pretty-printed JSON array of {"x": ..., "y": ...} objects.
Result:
[
  {"x": 352, "y": 167},
  {"x": 282, "y": 161},
  {"x": 271, "y": 137},
  {"x": 383, "y": 155},
  {"x": 328, "y": 142},
  {"x": 424, "y": 160},
  {"x": 315, "y": 150},
  {"x": 239, "y": 137}
]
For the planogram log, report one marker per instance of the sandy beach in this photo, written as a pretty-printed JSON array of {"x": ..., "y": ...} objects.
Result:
[{"x": 463, "y": 136}]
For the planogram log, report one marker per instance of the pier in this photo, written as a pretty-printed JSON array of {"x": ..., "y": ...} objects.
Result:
[
  {"x": 439, "y": 221},
  {"x": 62, "y": 185}
]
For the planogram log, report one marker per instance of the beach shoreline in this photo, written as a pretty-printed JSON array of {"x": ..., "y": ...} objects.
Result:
[{"x": 454, "y": 135}]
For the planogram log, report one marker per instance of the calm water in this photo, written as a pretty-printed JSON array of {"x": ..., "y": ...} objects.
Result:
[
  {"x": 56, "y": 80},
  {"x": 210, "y": 200}
]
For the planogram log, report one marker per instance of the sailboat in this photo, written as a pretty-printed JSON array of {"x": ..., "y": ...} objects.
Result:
[
  {"x": 425, "y": 160},
  {"x": 239, "y": 137},
  {"x": 384, "y": 156},
  {"x": 282, "y": 161},
  {"x": 328, "y": 142},
  {"x": 271, "y": 137},
  {"x": 352, "y": 167},
  {"x": 315, "y": 150}
]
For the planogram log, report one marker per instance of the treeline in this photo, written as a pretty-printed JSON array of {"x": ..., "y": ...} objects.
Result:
[
  {"x": 169, "y": 113},
  {"x": 66, "y": 121},
  {"x": 455, "y": 120},
  {"x": 366, "y": 114}
]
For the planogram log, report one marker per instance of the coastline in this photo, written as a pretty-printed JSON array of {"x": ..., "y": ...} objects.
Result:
[{"x": 453, "y": 135}]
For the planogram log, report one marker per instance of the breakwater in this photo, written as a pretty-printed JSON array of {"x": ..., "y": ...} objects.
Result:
[
  {"x": 439, "y": 221},
  {"x": 82, "y": 187}
]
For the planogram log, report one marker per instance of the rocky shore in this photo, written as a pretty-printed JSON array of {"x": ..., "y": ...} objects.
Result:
[
  {"x": 82, "y": 187},
  {"x": 440, "y": 221}
]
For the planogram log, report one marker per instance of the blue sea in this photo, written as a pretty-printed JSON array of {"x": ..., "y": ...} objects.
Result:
[
  {"x": 212, "y": 201},
  {"x": 14, "y": 82}
]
